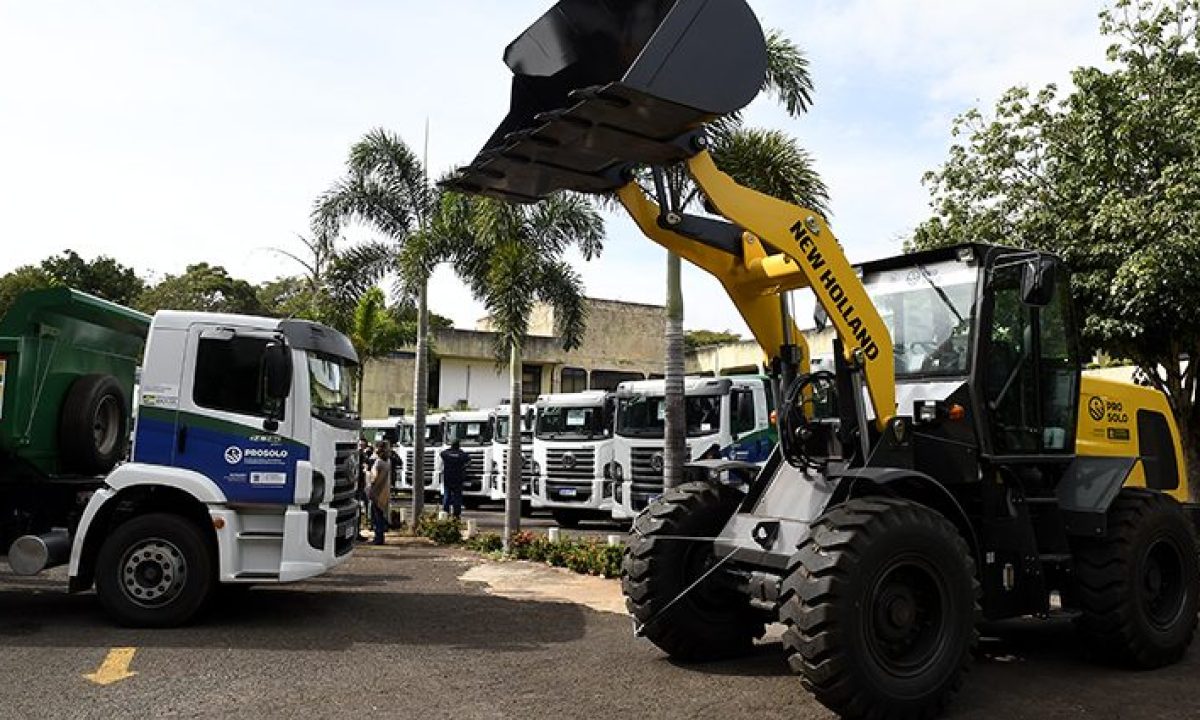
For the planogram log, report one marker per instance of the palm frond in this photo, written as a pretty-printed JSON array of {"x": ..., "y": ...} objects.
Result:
[
  {"x": 561, "y": 288},
  {"x": 787, "y": 78},
  {"x": 773, "y": 162}
]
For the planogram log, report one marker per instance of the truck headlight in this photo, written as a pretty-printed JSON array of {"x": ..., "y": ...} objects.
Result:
[
  {"x": 618, "y": 472},
  {"x": 537, "y": 468}
]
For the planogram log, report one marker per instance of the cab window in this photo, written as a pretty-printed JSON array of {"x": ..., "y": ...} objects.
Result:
[{"x": 229, "y": 375}]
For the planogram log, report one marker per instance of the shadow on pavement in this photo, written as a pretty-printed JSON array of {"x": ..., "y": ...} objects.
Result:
[{"x": 318, "y": 615}]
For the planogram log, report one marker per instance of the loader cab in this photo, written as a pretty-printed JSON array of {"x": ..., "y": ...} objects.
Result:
[{"x": 986, "y": 350}]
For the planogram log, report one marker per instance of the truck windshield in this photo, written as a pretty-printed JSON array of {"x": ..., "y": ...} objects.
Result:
[
  {"x": 433, "y": 435},
  {"x": 572, "y": 423},
  {"x": 502, "y": 431},
  {"x": 645, "y": 415},
  {"x": 928, "y": 310},
  {"x": 332, "y": 393},
  {"x": 474, "y": 432}
]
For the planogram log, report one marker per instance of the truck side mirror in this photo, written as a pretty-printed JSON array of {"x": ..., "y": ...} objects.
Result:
[
  {"x": 1038, "y": 280},
  {"x": 277, "y": 372}
]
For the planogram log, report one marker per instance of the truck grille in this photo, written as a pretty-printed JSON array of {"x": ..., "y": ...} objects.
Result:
[
  {"x": 645, "y": 478},
  {"x": 526, "y": 464},
  {"x": 570, "y": 481},
  {"x": 474, "y": 472},
  {"x": 427, "y": 471},
  {"x": 344, "y": 503}
]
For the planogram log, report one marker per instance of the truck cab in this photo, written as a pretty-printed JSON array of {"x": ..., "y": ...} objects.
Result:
[
  {"x": 726, "y": 417},
  {"x": 498, "y": 481},
  {"x": 572, "y": 447},
  {"x": 473, "y": 431},
  {"x": 376, "y": 429},
  {"x": 243, "y": 466}
]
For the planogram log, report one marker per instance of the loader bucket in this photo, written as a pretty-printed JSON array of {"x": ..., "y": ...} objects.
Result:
[{"x": 601, "y": 85}]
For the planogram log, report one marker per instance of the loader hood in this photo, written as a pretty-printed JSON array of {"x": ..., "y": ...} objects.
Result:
[{"x": 600, "y": 86}]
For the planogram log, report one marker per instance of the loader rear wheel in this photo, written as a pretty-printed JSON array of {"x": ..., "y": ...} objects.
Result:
[
  {"x": 881, "y": 606},
  {"x": 154, "y": 570},
  {"x": 713, "y": 620},
  {"x": 93, "y": 425},
  {"x": 1138, "y": 585}
]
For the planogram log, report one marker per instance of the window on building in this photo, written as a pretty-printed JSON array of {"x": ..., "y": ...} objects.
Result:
[
  {"x": 574, "y": 380},
  {"x": 610, "y": 379},
  {"x": 531, "y": 383},
  {"x": 229, "y": 375}
]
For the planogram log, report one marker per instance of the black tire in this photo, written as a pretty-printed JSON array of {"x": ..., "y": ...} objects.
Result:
[
  {"x": 155, "y": 570},
  {"x": 93, "y": 425},
  {"x": 713, "y": 621},
  {"x": 568, "y": 519},
  {"x": 1137, "y": 586},
  {"x": 881, "y": 605}
]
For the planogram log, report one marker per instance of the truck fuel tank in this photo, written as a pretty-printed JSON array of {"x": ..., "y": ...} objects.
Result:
[{"x": 31, "y": 554}]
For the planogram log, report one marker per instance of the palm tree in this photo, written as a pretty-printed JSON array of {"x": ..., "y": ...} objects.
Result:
[
  {"x": 373, "y": 331},
  {"x": 386, "y": 187},
  {"x": 768, "y": 161},
  {"x": 511, "y": 257}
]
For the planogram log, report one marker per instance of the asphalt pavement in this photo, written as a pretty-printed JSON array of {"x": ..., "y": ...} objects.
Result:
[{"x": 398, "y": 632}]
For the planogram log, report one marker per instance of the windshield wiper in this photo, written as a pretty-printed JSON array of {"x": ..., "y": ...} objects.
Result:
[{"x": 940, "y": 293}]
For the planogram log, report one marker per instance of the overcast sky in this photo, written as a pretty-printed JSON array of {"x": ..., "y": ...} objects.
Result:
[{"x": 168, "y": 133}]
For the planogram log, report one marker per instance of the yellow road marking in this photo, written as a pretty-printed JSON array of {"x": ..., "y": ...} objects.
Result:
[{"x": 115, "y": 667}]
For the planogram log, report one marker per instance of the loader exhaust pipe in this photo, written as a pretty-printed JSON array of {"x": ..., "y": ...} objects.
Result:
[
  {"x": 31, "y": 554},
  {"x": 602, "y": 85}
]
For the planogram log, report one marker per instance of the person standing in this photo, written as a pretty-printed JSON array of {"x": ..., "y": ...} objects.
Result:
[
  {"x": 454, "y": 474},
  {"x": 380, "y": 490}
]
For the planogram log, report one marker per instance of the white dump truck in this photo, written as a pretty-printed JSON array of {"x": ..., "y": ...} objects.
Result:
[
  {"x": 244, "y": 457},
  {"x": 499, "y": 462},
  {"x": 433, "y": 446},
  {"x": 727, "y": 417},
  {"x": 572, "y": 447},
  {"x": 473, "y": 431}
]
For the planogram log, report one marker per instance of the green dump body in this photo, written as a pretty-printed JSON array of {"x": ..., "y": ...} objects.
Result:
[{"x": 48, "y": 339}]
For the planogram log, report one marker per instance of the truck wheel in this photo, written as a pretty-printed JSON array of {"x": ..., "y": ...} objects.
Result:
[
  {"x": 154, "y": 571},
  {"x": 881, "y": 605},
  {"x": 713, "y": 620},
  {"x": 568, "y": 519},
  {"x": 93, "y": 425},
  {"x": 1138, "y": 585}
]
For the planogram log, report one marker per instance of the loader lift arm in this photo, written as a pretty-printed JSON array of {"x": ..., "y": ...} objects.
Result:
[{"x": 784, "y": 247}]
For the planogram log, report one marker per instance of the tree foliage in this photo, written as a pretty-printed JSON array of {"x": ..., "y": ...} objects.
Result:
[
  {"x": 103, "y": 277},
  {"x": 22, "y": 279},
  {"x": 1107, "y": 176},
  {"x": 204, "y": 288},
  {"x": 693, "y": 339}
]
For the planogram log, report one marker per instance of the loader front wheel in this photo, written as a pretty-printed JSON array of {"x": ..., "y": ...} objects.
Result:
[
  {"x": 881, "y": 605},
  {"x": 667, "y": 553},
  {"x": 1138, "y": 585}
]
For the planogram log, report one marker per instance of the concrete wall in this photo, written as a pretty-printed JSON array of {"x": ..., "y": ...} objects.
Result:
[
  {"x": 476, "y": 383},
  {"x": 747, "y": 357},
  {"x": 626, "y": 337}
]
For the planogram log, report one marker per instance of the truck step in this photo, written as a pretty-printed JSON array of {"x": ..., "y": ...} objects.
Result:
[
  {"x": 269, "y": 536},
  {"x": 257, "y": 576}
]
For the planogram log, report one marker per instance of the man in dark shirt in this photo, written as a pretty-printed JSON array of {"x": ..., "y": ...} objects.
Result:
[{"x": 454, "y": 474}]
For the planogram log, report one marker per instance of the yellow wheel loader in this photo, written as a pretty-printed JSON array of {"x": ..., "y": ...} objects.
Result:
[{"x": 955, "y": 466}]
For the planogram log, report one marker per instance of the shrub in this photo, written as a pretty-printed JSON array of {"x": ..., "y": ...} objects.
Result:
[
  {"x": 485, "y": 543},
  {"x": 442, "y": 532}
]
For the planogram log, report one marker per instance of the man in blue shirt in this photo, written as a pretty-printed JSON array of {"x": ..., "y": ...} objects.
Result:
[{"x": 454, "y": 474}]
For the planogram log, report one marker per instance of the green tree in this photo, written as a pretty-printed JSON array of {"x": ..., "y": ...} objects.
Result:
[
  {"x": 386, "y": 189},
  {"x": 1108, "y": 177},
  {"x": 204, "y": 288},
  {"x": 511, "y": 257},
  {"x": 22, "y": 279},
  {"x": 374, "y": 332},
  {"x": 103, "y": 277},
  {"x": 693, "y": 339},
  {"x": 766, "y": 160}
]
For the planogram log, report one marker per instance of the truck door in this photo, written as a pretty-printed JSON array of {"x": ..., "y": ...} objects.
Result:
[{"x": 228, "y": 429}]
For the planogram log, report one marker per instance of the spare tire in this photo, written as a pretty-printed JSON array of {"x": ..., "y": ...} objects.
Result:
[{"x": 93, "y": 426}]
